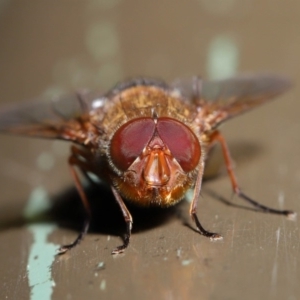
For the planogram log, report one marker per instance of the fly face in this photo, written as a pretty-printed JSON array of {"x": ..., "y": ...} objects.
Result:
[
  {"x": 146, "y": 139},
  {"x": 158, "y": 158}
]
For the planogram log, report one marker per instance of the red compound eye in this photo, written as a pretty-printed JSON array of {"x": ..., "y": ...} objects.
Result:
[
  {"x": 129, "y": 141},
  {"x": 181, "y": 141}
]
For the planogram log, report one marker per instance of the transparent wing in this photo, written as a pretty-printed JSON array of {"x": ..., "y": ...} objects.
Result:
[
  {"x": 50, "y": 117},
  {"x": 223, "y": 99}
]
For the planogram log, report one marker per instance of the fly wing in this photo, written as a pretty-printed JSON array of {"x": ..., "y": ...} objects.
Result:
[
  {"x": 223, "y": 99},
  {"x": 50, "y": 117}
]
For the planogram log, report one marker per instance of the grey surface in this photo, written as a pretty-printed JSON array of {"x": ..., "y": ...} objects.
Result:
[{"x": 54, "y": 45}]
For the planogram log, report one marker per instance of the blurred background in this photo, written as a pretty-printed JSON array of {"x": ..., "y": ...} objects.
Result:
[{"x": 51, "y": 46}]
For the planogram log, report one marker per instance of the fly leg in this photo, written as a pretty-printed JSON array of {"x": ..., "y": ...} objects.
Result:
[
  {"x": 76, "y": 160},
  {"x": 217, "y": 137},
  {"x": 128, "y": 219},
  {"x": 193, "y": 207}
]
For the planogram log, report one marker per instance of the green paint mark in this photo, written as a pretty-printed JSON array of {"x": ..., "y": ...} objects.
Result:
[
  {"x": 189, "y": 195},
  {"x": 45, "y": 161},
  {"x": 41, "y": 257},
  {"x": 37, "y": 204},
  {"x": 103, "y": 285},
  {"x": 186, "y": 262},
  {"x": 102, "y": 40},
  {"x": 223, "y": 57},
  {"x": 101, "y": 265}
]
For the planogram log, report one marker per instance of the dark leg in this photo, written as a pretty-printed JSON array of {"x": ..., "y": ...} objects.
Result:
[
  {"x": 128, "y": 220},
  {"x": 216, "y": 136},
  {"x": 193, "y": 207},
  {"x": 73, "y": 161}
]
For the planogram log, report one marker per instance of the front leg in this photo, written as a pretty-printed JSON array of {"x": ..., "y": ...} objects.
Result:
[
  {"x": 217, "y": 137},
  {"x": 193, "y": 207},
  {"x": 74, "y": 161},
  {"x": 128, "y": 219}
]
